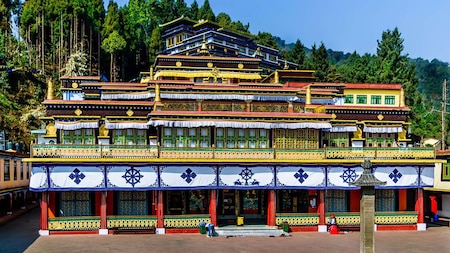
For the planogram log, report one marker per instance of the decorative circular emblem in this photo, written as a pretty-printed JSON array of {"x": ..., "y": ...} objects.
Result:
[
  {"x": 74, "y": 85},
  {"x": 210, "y": 65},
  {"x": 178, "y": 64},
  {"x": 132, "y": 176},
  {"x": 240, "y": 66}
]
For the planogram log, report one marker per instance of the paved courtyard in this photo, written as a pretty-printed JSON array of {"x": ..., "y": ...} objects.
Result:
[{"x": 435, "y": 239}]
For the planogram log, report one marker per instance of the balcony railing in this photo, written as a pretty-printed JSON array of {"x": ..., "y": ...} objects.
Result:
[{"x": 145, "y": 151}]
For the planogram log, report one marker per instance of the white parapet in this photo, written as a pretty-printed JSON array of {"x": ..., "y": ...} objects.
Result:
[
  {"x": 421, "y": 226},
  {"x": 160, "y": 231},
  {"x": 322, "y": 228},
  {"x": 103, "y": 232},
  {"x": 44, "y": 232}
]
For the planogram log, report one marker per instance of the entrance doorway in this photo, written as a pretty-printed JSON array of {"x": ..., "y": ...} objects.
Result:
[{"x": 250, "y": 204}]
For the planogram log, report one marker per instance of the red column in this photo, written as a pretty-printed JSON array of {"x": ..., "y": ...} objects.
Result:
[
  {"x": 160, "y": 211},
  {"x": 271, "y": 209},
  {"x": 103, "y": 207},
  {"x": 321, "y": 208},
  {"x": 419, "y": 206},
  {"x": 433, "y": 203},
  {"x": 44, "y": 211},
  {"x": 213, "y": 206}
]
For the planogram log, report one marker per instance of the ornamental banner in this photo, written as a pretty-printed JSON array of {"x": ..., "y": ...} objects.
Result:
[
  {"x": 76, "y": 177},
  {"x": 397, "y": 176},
  {"x": 340, "y": 176},
  {"x": 38, "y": 180},
  {"x": 300, "y": 177},
  {"x": 427, "y": 176},
  {"x": 131, "y": 177},
  {"x": 244, "y": 177},
  {"x": 185, "y": 177}
]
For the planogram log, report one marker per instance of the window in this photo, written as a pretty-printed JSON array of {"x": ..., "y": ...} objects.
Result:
[
  {"x": 179, "y": 38},
  {"x": 348, "y": 99},
  {"x": 336, "y": 201},
  {"x": 361, "y": 99},
  {"x": 21, "y": 171},
  {"x": 6, "y": 170},
  {"x": 241, "y": 138},
  {"x": 170, "y": 41},
  {"x": 132, "y": 203},
  {"x": 446, "y": 172},
  {"x": 389, "y": 100},
  {"x": 375, "y": 99},
  {"x": 296, "y": 138},
  {"x": 129, "y": 137},
  {"x": 74, "y": 203},
  {"x": 79, "y": 136},
  {"x": 384, "y": 200},
  {"x": 186, "y": 137},
  {"x": 14, "y": 168}
]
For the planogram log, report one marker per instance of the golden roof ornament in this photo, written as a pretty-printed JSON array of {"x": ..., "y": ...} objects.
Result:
[{"x": 204, "y": 49}]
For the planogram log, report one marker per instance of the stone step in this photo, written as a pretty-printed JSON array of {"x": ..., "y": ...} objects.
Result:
[{"x": 250, "y": 230}]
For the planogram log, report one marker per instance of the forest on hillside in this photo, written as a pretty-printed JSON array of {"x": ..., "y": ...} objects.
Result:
[{"x": 81, "y": 37}]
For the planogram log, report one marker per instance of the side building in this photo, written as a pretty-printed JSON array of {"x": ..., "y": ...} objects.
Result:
[
  {"x": 224, "y": 138},
  {"x": 14, "y": 182}
]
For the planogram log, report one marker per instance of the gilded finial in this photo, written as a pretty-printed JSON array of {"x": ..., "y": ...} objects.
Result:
[
  {"x": 204, "y": 49},
  {"x": 50, "y": 89}
]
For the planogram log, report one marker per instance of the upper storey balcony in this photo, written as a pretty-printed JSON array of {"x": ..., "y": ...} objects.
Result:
[{"x": 157, "y": 152}]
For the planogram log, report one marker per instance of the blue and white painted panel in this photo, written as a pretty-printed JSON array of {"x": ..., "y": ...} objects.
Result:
[
  {"x": 132, "y": 177},
  {"x": 340, "y": 176},
  {"x": 300, "y": 177},
  {"x": 397, "y": 176},
  {"x": 39, "y": 180},
  {"x": 181, "y": 176},
  {"x": 76, "y": 177},
  {"x": 427, "y": 176},
  {"x": 246, "y": 177}
]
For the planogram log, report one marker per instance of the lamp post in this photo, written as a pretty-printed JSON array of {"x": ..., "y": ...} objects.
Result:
[{"x": 367, "y": 181}]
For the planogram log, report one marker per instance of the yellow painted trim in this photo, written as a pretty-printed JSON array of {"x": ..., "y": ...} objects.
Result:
[
  {"x": 192, "y": 74},
  {"x": 225, "y": 161},
  {"x": 436, "y": 189}
]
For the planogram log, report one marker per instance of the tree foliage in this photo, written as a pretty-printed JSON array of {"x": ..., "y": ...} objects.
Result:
[{"x": 77, "y": 65}]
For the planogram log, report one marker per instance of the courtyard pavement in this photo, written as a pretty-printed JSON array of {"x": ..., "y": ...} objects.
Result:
[{"x": 435, "y": 239}]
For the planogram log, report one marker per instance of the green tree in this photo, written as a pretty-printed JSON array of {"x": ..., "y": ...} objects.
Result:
[
  {"x": 298, "y": 55},
  {"x": 156, "y": 44},
  {"x": 224, "y": 20},
  {"x": 266, "y": 39},
  {"x": 112, "y": 45},
  {"x": 180, "y": 8},
  {"x": 206, "y": 13},
  {"x": 167, "y": 12},
  {"x": 77, "y": 65},
  {"x": 319, "y": 62},
  {"x": 193, "y": 11},
  {"x": 357, "y": 69}
]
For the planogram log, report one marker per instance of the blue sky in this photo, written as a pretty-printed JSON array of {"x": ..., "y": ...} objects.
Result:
[{"x": 347, "y": 25}]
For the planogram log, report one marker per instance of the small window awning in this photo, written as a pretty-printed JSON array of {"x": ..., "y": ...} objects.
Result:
[
  {"x": 74, "y": 125},
  {"x": 383, "y": 129},
  {"x": 126, "y": 124},
  {"x": 340, "y": 129},
  {"x": 227, "y": 97},
  {"x": 238, "y": 124},
  {"x": 128, "y": 95}
]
